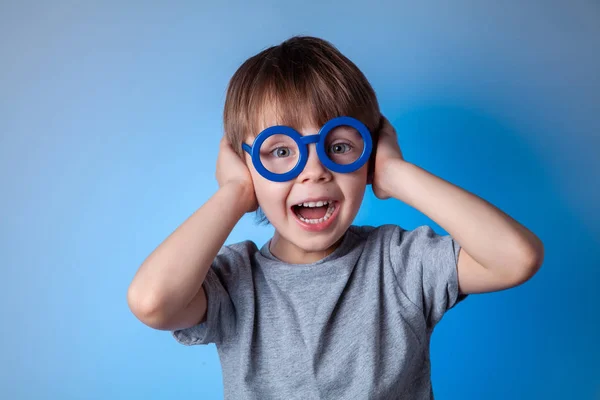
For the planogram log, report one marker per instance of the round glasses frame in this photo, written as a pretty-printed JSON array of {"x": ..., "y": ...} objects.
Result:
[{"x": 303, "y": 142}]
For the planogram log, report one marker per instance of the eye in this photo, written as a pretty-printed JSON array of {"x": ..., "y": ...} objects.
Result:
[
  {"x": 340, "y": 148},
  {"x": 282, "y": 152}
]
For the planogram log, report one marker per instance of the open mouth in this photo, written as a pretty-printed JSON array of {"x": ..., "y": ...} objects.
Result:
[{"x": 315, "y": 212}]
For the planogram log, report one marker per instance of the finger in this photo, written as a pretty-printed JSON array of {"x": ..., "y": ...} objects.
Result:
[{"x": 384, "y": 122}]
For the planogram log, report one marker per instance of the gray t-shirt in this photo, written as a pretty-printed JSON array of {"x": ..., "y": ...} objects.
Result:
[{"x": 354, "y": 325}]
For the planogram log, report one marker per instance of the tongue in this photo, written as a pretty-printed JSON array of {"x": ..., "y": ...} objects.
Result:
[{"x": 312, "y": 212}]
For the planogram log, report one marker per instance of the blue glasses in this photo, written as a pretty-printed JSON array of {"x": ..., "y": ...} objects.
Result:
[{"x": 279, "y": 153}]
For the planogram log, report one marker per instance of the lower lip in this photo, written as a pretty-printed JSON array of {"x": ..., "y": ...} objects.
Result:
[{"x": 321, "y": 226}]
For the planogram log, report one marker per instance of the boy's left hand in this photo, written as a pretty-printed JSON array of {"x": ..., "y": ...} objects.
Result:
[{"x": 387, "y": 152}]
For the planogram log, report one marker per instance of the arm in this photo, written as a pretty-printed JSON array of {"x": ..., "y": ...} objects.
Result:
[
  {"x": 166, "y": 292},
  {"x": 496, "y": 251}
]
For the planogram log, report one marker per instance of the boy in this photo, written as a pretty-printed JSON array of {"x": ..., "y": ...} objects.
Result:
[{"x": 324, "y": 310}]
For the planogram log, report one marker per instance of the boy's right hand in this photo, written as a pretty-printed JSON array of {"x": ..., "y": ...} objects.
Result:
[{"x": 231, "y": 169}]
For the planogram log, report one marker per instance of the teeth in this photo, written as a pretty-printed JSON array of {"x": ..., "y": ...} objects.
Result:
[
  {"x": 319, "y": 203},
  {"x": 330, "y": 211}
]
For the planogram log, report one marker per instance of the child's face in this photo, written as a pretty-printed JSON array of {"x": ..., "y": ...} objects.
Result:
[{"x": 307, "y": 234}]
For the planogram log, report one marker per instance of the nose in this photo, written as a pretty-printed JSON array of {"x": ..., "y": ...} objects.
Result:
[{"x": 314, "y": 171}]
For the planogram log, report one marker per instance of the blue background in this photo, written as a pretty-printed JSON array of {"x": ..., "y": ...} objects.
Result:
[{"x": 110, "y": 117}]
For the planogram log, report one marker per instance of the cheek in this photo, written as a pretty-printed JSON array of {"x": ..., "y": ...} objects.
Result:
[
  {"x": 354, "y": 186},
  {"x": 258, "y": 181},
  {"x": 271, "y": 196}
]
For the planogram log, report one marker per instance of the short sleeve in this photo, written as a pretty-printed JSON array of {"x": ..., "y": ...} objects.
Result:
[
  {"x": 426, "y": 265},
  {"x": 224, "y": 280}
]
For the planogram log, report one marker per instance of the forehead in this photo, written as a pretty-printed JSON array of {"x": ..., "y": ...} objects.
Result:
[
  {"x": 305, "y": 124},
  {"x": 299, "y": 117}
]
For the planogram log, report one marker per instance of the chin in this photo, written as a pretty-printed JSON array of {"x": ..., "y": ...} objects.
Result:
[
  {"x": 293, "y": 234},
  {"x": 319, "y": 242},
  {"x": 312, "y": 247}
]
